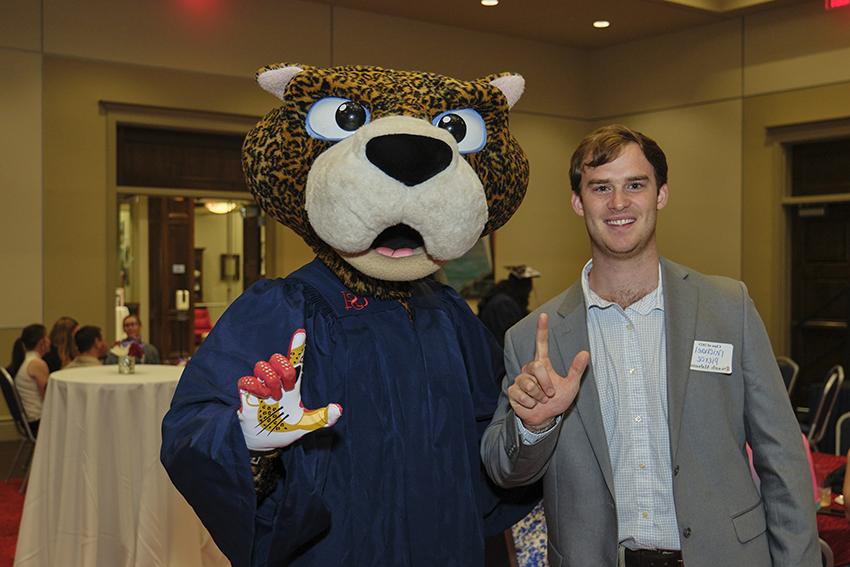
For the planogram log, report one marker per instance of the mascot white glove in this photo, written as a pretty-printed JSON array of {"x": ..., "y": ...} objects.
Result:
[{"x": 271, "y": 413}]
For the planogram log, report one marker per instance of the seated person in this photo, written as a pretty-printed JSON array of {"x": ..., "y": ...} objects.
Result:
[
  {"x": 30, "y": 371},
  {"x": 91, "y": 347},
  {"x": 142, "y": 352},
  {"x": 62, "y": 348}
]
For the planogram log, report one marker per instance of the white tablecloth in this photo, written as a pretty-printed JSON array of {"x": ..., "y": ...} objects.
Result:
[{"x": 98, "y": 495}]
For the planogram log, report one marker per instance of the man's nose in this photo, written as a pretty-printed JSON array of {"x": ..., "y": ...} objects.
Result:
[{"x": 619, "y": 200}]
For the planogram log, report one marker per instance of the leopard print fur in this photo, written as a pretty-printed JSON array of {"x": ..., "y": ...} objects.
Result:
[{"x": 279, "y": 152}]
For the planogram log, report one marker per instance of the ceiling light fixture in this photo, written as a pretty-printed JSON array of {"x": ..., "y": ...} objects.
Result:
[
  {"x": 601, "y": 24},
  {"x": 489, "y": 2},
  {"x": 220, "y": 207}
]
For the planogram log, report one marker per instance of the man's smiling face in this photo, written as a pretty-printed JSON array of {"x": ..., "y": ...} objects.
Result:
[{"x": 619, "y": 201}]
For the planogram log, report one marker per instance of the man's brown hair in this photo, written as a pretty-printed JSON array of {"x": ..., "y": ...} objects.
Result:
[{"x": 605, "y": 145}]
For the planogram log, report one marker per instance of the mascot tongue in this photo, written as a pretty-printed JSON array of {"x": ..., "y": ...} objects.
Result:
[
  {"x": 389, "y": 252},
  {"x": 398, "y": 241}
]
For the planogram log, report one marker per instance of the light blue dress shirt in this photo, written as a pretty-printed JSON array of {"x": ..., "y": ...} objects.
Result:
[{"x": 628, "y": 354}]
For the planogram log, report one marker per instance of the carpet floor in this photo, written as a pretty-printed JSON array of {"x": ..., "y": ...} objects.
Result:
[{"x": 11, "y": 506}]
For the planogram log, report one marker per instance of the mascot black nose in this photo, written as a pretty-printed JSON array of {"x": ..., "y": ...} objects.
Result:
[{"x": 408, "y": 158}]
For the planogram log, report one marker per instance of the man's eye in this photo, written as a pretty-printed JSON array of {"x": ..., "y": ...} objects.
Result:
[{"x": 635, "y": 186}]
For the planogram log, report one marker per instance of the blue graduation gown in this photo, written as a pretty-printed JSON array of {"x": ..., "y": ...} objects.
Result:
[{"x": 397, "y": 480}]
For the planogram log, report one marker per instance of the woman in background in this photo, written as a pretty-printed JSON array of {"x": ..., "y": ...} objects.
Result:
[
  {"x": 30, "y": 371},
  {"x": 142, "y": 352},
  {"x": 62, "y": 347}
]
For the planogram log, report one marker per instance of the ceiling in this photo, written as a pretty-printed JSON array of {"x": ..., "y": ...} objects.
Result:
[{"x": 568, "y": 22}]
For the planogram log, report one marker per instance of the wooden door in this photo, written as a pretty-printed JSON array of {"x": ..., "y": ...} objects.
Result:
[
  {"x": 252, "y": 246},
  {"x": 171, "y": 241}
]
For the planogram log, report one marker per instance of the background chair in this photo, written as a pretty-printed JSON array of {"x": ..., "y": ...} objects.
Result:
[
  {"x": 842, "y": 434},
  {"x": 789, "y": 370},
  {"x": 831, "y": 388},
  {"x": 203, "y": 324},
  {"x": 827, "y": 559},
  {"x": 19, "y": 416}
]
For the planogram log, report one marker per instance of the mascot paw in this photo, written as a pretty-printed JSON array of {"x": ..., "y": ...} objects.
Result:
[{"x": 271, "y": 412}]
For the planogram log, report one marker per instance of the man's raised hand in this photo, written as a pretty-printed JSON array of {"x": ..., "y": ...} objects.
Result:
[{"x": 539, "y": 394}]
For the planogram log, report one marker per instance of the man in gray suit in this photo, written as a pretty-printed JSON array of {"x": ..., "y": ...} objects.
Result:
[{"x": 643, "y": 460}]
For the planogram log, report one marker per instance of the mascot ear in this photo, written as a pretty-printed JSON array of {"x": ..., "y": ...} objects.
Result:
[
  {"x": 511, "y": 86},
  {"x": 274, "y": 78}
]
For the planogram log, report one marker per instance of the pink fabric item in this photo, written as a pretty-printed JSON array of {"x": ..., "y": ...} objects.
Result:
[
  {"x": 811, "y": 468},
  {"x": 815, "y": 492}
]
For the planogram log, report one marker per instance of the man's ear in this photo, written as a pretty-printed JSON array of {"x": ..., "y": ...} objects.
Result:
[
  {"x": 661, "y": 201},
  {"x": 576, "y": 202}
]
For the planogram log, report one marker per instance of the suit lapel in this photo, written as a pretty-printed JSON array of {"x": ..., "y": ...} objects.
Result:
[
  {"x": 570, "y": 335},
  {"x": 680, "y": 316}
]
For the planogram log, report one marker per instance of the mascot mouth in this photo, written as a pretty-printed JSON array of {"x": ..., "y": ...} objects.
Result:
[{"x": 398, "y": 241}]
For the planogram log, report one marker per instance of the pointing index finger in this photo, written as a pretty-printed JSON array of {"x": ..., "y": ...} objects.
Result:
[{"x": 541, "y": 351}]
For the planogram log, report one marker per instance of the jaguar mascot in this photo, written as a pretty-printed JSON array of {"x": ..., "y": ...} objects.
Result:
[{"x": 333, "y": 417}]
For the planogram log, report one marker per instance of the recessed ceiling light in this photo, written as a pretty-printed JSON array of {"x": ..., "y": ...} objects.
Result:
[
  {"x": 600, "y": 24},
  {"x": 489, "y": 2}
]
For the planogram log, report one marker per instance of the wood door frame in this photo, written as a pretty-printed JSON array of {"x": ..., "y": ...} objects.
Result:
[
  {"x": 162, "y": 117},
  {"x": 781, "y": 137}
]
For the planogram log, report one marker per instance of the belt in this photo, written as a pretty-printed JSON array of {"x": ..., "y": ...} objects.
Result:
[{"x": 653, "y": 558}]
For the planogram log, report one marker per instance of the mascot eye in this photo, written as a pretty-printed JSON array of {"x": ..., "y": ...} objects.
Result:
[
  {"x": 466, "y": 126},
  {"x": 350, "y": 116},
  {"x": 333, "y": 118}
]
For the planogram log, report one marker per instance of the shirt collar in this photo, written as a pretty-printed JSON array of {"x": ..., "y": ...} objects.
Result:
[{"x": 652, "y": 300}]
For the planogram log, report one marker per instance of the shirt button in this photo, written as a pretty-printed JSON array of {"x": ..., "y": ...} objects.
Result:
[
  {"x": 644, "y": 515},
  {"x": 642, "y": 466},
  {"x": 630, "y": 327},
  {"x": 638, "y": 418},
  {"x": 686, "y": 532},
  {"x": 631, "y": 370}
]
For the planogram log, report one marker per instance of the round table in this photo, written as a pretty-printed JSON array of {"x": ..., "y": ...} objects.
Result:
[{"x": 98, "y": 494}]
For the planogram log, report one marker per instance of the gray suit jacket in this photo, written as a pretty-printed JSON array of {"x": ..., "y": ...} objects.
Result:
[{"x": 723, "y": 518}]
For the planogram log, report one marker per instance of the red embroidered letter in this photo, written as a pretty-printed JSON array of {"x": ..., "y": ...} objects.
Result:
[{"x": 354, "y": 302}]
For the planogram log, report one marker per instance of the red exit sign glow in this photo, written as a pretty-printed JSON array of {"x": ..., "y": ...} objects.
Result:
[{"x": 830, "y": 4}]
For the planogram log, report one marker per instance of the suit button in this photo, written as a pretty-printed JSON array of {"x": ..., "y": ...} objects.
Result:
[
  {"x": 676, "y": 470},
  {"x": 686, "y": 532}
]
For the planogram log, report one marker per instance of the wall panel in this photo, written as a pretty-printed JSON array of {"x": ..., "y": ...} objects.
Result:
[
  {"x": 20, "y": 184},
  {"x": 553, "y": 73},
  {"x": 228, "y": 38},
  {"x": 20, "y": 24},
  {"x": 689, "y": 67},
  {"x": 796, "y": 46}
]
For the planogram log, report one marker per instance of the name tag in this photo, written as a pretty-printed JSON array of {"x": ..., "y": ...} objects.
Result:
[{"x": 712, "y": 357}]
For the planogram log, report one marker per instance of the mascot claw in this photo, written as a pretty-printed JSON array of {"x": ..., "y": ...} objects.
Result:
[{"x": 271, "y": 412}]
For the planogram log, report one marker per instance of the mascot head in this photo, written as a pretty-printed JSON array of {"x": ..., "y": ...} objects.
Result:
[{"x": 386, "y": 174}]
